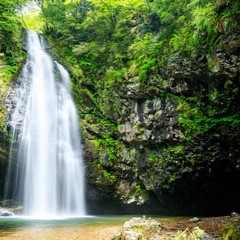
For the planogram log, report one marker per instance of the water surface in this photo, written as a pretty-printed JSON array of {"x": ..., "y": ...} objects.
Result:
[{"x": 86, "y": 228}]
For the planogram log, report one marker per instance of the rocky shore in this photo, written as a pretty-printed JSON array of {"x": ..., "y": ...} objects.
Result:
[
  {"x": 219, "y": 228},
  {"x": 144, "y": 228}
]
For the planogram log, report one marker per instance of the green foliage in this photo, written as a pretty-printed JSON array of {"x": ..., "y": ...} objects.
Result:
[
  {"x": 109, "y": 176},
  {"x": 202, "y": 22},
  {"x": 33, "y": 20},
  {"x": 169, "y": 11},
  {"x": 108, "y": 44},
  {"x": 166, "y": 165},
  {"x": 110, "y": 147},
  {"x": 106, "y": 147},
  {"x": 138, "y": 190},
  {"x": 193, "y": 120},
  {"x": 144, "y": 52},
  {"x": 232, "y": 231},
  {"x": 8, "y": 19},
  {"x": 194, "y": 234},
  {"x": 102, "y": 172},
  {"x": 196, "y": 30},
  {"x": 10, "y": 29},
  {"x": 11, "y": 52},
  {"x": 229, "y": 16},
  {"x": 55, "y": 11}
]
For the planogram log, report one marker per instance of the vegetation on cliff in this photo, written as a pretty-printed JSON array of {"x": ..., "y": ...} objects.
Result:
[
  {"x": 12, "y": 57},
  {"x": 157, "y": 87},
  {"x": 11, "y": 52}
]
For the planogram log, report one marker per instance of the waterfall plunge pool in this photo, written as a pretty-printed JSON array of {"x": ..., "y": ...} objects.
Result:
[{"x": 84, "y": 228}]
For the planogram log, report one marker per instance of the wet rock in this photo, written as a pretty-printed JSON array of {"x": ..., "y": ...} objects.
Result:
[
  {"x": 177, "y": 129},
  {"x": 206, "y": 236},
  {"x": 141, "y": 228},
  {"x": 151, "y": 121},
  {"x": 195, "y": 219},
  {"x": 234, "y": 214},
  {"x": 5, "y": 213}
]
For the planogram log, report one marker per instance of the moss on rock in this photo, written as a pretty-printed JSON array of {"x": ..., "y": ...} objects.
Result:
[{"x": 232, "y": 231}]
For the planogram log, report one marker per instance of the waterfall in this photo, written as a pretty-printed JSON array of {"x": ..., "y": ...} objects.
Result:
[{"x": 45, "y": 172}]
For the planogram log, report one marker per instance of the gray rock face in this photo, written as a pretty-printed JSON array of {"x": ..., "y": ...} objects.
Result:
[
  {"x": 151, "y": 121},
  {"x": 5, "y": 213},
  {"x": 175, "y": 140},
  {"x": 206, "y": 236}
]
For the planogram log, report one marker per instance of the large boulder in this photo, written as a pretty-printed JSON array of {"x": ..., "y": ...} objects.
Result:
[{"x": 140, "y": 228}]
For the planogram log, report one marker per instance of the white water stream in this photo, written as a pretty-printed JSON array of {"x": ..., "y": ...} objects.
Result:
[{"x": 46, "y": 171}]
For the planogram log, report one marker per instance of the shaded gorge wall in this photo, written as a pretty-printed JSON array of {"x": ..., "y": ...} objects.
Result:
[
  {"x": 170, "y": 145},
  {"x": 157, "y": 89},
  {"x": 12, "y": 57}
]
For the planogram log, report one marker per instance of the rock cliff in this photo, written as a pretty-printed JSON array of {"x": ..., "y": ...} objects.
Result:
[{"x": 172, "y": 144}]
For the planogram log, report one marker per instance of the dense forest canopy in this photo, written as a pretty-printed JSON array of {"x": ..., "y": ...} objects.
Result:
[
  {"x": 11, "y": 52},
  {"x": 118, "y": 40},
  {"x": 112, "y": 38}
]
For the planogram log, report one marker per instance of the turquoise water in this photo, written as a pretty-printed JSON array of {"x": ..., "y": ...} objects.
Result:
[
  {"x": 85, "y": 228},
  {"x": 21, "y": 222}
]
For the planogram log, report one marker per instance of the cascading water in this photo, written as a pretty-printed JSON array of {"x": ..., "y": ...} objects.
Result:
[{"x": 45, "y": 167}]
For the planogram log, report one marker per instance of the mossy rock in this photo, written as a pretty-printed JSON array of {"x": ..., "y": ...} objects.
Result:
[
  {"x": 85, "y": 99},
  {"x": 232, "y": 232},
  {"x": 141, "y": 228}
]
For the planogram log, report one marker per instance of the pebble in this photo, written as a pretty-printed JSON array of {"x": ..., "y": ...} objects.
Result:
[
  {"x": 234, "y": 214},
  {"x": 195, "y": 219}
]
